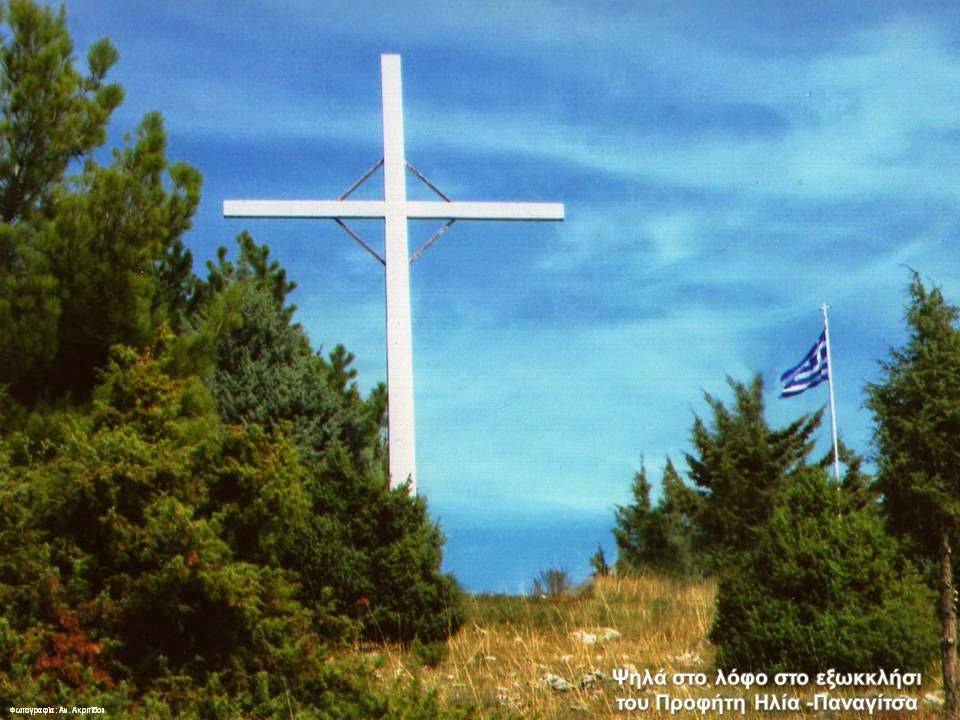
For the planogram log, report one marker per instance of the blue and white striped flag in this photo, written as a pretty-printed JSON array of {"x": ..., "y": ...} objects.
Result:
[{"x": 809, "y": 372}]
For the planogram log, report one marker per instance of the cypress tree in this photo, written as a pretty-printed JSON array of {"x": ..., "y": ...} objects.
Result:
[
  {"x": 916, "y": 408},
  {"x": 660, "y": 537},
  {"x": 632, "y": 532},
  {"x": 741, "y": 466}
]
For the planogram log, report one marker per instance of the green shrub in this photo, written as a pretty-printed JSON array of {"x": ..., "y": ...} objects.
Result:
[
  {"x": 373, "y": 554},
  {"x": 363, "y": 552},
  {"x": 150, "y": 552},
  {"x": 146, "y": 540},
  {"x": 823, "y": 587}
]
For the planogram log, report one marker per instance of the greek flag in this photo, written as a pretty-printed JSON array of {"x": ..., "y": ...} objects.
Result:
[{"x": 809, "y": 372}]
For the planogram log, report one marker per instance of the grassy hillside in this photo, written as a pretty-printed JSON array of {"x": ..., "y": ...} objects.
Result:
[{"x": 537, "y": 657}]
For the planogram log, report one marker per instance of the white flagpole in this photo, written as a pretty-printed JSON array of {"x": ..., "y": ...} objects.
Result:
[{"x": 833, "y": 407}]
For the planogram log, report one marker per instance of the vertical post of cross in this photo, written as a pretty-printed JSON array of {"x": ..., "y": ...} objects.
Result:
[{"x": 401, "y": 436}]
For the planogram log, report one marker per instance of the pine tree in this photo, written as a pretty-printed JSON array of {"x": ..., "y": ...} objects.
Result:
[
  {"x": 679, "y": 511},
  {"x": 741, "y": 466},
  {"x": 265, "y": 371},
  {"x": 632, "y": 532},
  {"x": 106, "y": 242},
  {"x": 598, "y": 561},
  {"x": 253, "y": 264},
  {"x": 660, "y": 537},
  {"x": 51, "y": 114},
  {"x": 916, "y": 407},
  {"x": 365, "y": 552},
  {"x": 86, "y": 260}
]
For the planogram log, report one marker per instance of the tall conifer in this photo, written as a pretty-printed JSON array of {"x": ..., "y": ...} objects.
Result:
[
  {"x": 741, "y": 465},
  {"x": 916, "y": 406}
]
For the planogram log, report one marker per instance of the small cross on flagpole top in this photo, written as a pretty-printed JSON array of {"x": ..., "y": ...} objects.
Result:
[{"x": 395, "y": 210}]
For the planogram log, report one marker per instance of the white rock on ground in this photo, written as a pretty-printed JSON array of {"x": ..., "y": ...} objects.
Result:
[
  {"x": 608, "y": 634},
  {"x": 555, "y": 682},
  {"x": 599, "y": 635},
  {"x": 687, "y": 657}
]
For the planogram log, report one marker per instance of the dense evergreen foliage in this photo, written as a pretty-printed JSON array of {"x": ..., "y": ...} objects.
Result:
[
  {"x": 917, "y": 411},
  {"x": 193, "y": 503},
  {"x": 741, "y": 466},
  {"x": 80, "y": 254},
  {"x": 916, "y": 406},
  {"x": 661, "y": 537},
  {"x": 266, "y": 373},
  {"x": 374, "y": 555},
  {"x": 738, "y": 470},
  {"x": 823, "y": 586}
]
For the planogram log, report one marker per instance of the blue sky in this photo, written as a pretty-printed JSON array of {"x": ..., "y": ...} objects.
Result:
[{"x": 725, "y": 170}]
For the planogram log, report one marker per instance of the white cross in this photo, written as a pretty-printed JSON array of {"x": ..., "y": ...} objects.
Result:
[{"x": 395, "y": 209}]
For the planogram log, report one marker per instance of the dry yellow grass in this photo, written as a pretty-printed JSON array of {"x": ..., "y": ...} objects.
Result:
[{"x": 500, "y": 658}]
